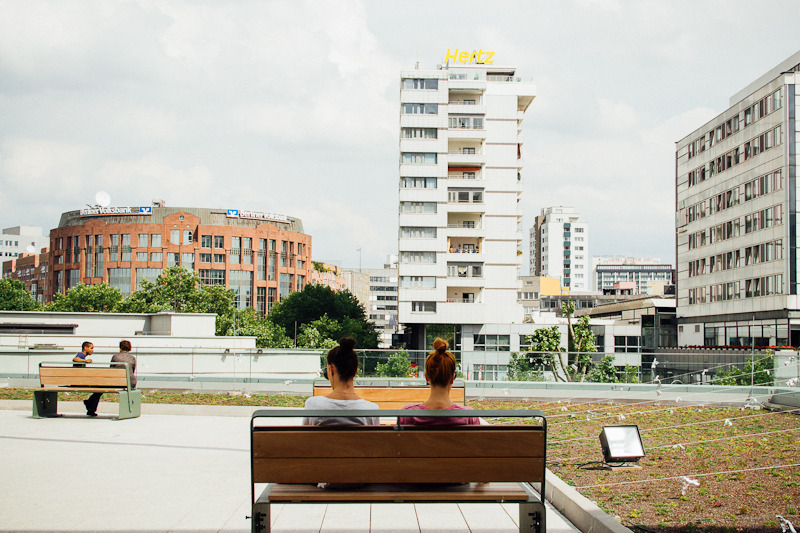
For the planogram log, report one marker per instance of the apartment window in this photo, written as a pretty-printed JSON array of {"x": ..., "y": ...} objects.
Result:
[
  {"x": 464, "y": 270},
  {"x": 247, "y": 256},
  {"x": 261, "y": 300},
  {"x": 236, "y": 243},
  {"x": 219, "y": 258},
  {"x": 465, "y": 122},
  {"x": 285, "y": 285},
  {"x": 174, "y": 236},
  {"x": 141, "y": 256},
  {"x": 420, "y": 133},
  {"x": 187, "y": 260},
  {"x": 271, "y": 296},
  {"x": 419, "y": 158},
  {"x": 491, "y": 343},
  {"x": 417, "y": 257},
  {"x": 484, "y": 372},
  {"x": 418, "y": 183},
  {"x": 126, "y": 247},
  {"x": 155, "y": 257},
  {"x": 173, "y": 259},
  {"x": 247, "y": 243},
  {"x": 408, "y": 232},
  {"x": 423, "y": 307},
  {"x": 419, "y": 282},
  {"x": 219, "y": 241},
  {"x": 205, "y": 258},
  {"x": 623, "y": 344},
  {"x": 421, "y": 83},
  {"x": 155, "y": 240},
  {"x": 301, "y": 281},
  {"x": 420, "y": 109},
  {"x": 114, "y": 249},
  {"x": 212, "y": 277},
  {"x": 187, "y": 236},
  {"x": 143, "y": 240},
  {"x": 205, "y": 241},
  {"x": 417, "y": 207},
  {"x": 465, "y": 196}
]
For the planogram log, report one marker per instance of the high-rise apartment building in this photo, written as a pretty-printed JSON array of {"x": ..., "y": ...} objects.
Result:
[
  {"x": 382, "y": 308},
  {"x": 460, "y": 184},
  {"x": 560, "y": 247},
  {"x": 736, "y": 230}
]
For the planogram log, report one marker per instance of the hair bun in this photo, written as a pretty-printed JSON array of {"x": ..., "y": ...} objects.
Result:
[
  {"x": 440, "y": 346},
  {"x": 347, "y": 343}
]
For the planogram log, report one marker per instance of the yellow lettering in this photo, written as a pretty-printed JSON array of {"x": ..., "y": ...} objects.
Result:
[
  {"x": 463, "y": 57},
  {"x": 480, "y": 55},
  {"x": 489, "y": 56},
  {"x": 472, "y": 57},
  {"x": 450, "y": 56}
]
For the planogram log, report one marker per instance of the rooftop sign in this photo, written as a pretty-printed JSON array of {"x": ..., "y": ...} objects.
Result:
[
  {"x": 465, "y": 56},
  {"x": 256, "y": 215},
  {"x": 101, "y": 211}
]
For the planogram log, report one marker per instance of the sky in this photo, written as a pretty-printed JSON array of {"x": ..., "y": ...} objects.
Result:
[{"x": 293, "y": 107}]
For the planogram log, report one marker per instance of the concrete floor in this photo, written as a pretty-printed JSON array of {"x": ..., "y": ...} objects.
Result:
[{"x": 177, "y": 468}]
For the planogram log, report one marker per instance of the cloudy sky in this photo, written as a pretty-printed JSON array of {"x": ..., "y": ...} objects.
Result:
[{"x": 292, "y": 107}]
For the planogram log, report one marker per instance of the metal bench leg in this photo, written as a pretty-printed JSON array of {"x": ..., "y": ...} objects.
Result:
[
  {"x": 261, "y": 519},
  {"x": 532, "y": 517},
  {"x": 45, "y": 403},
  {"x": 130, "y": 404}
]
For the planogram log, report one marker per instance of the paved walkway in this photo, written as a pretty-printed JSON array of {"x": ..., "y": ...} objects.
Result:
[{"x": 177, "y": 468}]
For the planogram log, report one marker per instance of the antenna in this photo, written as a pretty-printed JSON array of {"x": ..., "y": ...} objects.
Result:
[{"x": 102, "y": 198}]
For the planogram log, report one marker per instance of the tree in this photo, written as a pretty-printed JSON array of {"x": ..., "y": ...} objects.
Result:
[
  {"x": 604, "y": 371},
  {"x": 580, "y": 344},
  {"x": 317, "y": 301},
  {"x": 760, "y": 373},
  {"x": 398, "y": 366},
  {"x": 545, "y": 343},
  {"x": 525, "y": 367},
  {"x": 250, "y": 324},
  {"x": 82, "y": 298},
  {"x": 14, "y": 296}
]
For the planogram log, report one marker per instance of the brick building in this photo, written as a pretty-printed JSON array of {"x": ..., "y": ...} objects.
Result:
[
  {"x": 262, "y": 257},
  {"x": 31, "y": 269}
]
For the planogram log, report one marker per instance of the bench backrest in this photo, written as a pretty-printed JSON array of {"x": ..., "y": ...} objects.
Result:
[
  {"x": 67, "y": 376},
  {"x": 398, "y": 454},
  {"x": 394, "y": 397}
]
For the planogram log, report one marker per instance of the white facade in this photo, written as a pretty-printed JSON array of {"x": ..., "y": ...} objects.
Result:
[
  {"x": 644, "y": 272},
  {"x": 563, "y": 245},
  {"x": 22, "y": 240},
  {"x": 382, "y": 310},
  {"x": 736, "y": 230},
  {"x": 460, "y": 184}
]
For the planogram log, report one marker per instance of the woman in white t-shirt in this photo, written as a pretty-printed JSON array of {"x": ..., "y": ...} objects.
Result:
[{"x": 342, "y": 366}]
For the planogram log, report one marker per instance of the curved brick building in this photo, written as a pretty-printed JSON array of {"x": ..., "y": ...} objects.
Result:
[{"x": 262, "y": 257}]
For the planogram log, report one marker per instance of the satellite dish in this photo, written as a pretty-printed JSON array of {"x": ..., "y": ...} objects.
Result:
[
  {"x": 102, "y": 198},
  {"x": 31, "y": 249}
]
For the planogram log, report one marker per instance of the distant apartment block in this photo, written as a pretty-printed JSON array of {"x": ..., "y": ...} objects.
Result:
[
  {"x": 460, "y": 185},
  {"x": 31, "y": 269},
  {"x": 22, "y": 240},
  {"x": 736, "y": 212},
  {"x": 639, "y": 275},
  {"x": 383, "y": 291},
  {"x": 559, "y": 247}
]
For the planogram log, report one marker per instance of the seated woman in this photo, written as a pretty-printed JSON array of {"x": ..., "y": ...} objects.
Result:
[
  {"x": 342, "y": 366},
  {"x": 440, "y": 372}
]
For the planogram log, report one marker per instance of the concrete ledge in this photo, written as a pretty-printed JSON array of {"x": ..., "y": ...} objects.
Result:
[{"x": 578, "y": 509}]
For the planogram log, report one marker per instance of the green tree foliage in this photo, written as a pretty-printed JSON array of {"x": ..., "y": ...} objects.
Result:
[
  {"x": 398, "y": 366},
  {"x": 14, "y": 296},
  {"x": 525, "y": 367},
  {"x": 87, "y": 299},
  {"x": 176, "y": 289},
  {"x": 249, "y": 323},
  {"x": 630, "y": 374},
  {"x": 604, "y": 371},
  {"x": 545, "y": 345},
  {"x": 760, "y": 373},
  {"x": 580, "y": 342},
  {"x": 316, "y": 301}
]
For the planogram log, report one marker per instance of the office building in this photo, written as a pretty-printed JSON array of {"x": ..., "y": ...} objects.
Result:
[
  {"x": 642, "y": 275},
  {"x": 559, "y": 243},
  {"x": 382, "y": 308},
  {"x": 736, "y": 229},
  {"x": 261, "y": 256},
  {"x": 30, "y": 269},
  {"x": 22, "y": 240},
  {"x": 460, "y": 184}
]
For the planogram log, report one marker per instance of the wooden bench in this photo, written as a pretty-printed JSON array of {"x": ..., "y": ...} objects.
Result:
[
  {"x": 486, "y": 463},
  {"x": 389, "y": 395},
  {"x": 107, "y": 378}
]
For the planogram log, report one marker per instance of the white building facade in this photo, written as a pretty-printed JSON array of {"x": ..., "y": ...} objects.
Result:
[
  {"x": 643, "y": 272},
  {"x": 562, "y": 247},
  {"x": 22, "y": 240},
  {"x": 382, "y": 310},
  {"x": 736, "y": 230},
  {"x": 460, "y": 185}
]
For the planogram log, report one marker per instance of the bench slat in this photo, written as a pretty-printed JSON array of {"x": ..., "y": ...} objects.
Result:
[
  {"x": 404, "y": 395},
  {"x": 387, "y": 493},
  {"x": 83, "y": 389},
  {"x": 374, "y": 442},
  {"x": 67, "y": 371},
  {"x": 85, "y": 381},
  {"x": 82, "y": 376},
  {"x": 392, "y": 470}
]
